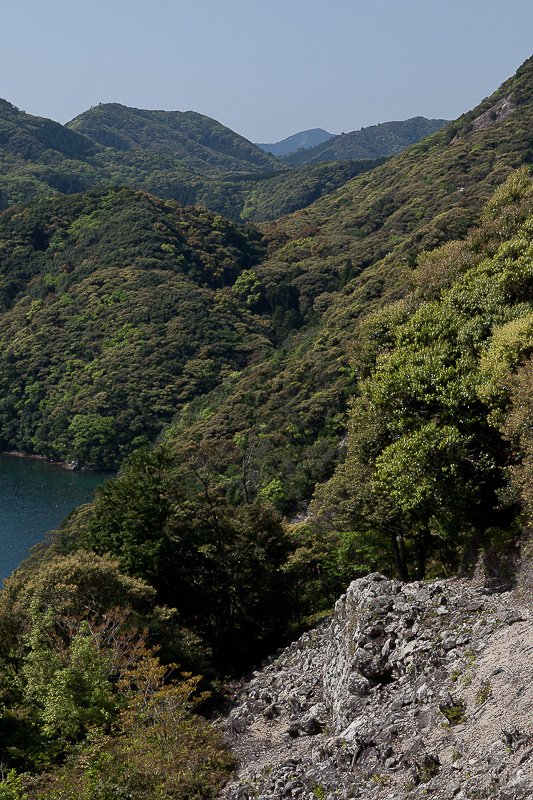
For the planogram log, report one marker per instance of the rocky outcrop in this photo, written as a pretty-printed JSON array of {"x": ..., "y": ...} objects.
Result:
[
  {"x": 497, "y": 112},
  {"x": 501, "y": 109},
  {"x": 408, "y": 690}
]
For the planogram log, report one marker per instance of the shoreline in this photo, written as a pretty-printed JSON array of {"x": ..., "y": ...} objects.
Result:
[{"x": 72, "y": 466}]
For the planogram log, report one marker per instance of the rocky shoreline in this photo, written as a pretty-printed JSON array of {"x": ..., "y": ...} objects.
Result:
[{"x": 409, "y": 690}]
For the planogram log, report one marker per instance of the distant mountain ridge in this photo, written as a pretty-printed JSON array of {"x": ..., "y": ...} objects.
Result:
[
  {"x": 376, "y": 141},
  {"x": 292, "y": 143},
  {"x": 183, "y": 156},
  {"x": 151, "y": 151}
]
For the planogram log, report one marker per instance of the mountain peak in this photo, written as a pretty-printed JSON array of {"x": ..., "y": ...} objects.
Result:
[{"x": 201, "y": 143}]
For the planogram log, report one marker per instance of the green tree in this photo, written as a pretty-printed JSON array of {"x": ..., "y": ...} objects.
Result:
[
  {"x": 167, "y": 519},
  {"x": 69, "y": 689},
  {"x": 425, "y": 468},
  {"x": 131, "y": 511}
]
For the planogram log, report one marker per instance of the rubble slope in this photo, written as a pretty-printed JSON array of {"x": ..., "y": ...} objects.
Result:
[{"x": 408, "y": 690}]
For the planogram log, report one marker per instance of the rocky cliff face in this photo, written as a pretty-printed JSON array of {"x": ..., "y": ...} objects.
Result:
[{"x": 408, "y": 690}]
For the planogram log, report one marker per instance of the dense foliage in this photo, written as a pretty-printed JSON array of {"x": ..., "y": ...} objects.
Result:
[
  {"x": 439, "y": 416},
  {"x": 116, "y": 308},
  {"x": 256, "y": 198},
  {"x": 330, "y": 264},
  {"x": 176, "y": 155},
  {"x": 169, "y": 521},
  {"x": 88, "y": 709},
  {"x": 327, "y": 265},
  {"x": 115, "y": 144}
]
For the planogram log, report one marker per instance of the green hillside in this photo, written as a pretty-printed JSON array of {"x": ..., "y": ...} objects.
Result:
[
  {"x": 333, "y": 263},
  {"x": 40, "y": 157},
  {"x": 439, "y": 448},
  {"x": 322, "y": 268},
  {"x": 438, "y": 445},
  {"x": 376, "y": 141},
  {"x": 180, "y": 156},
  {"x": 116, "y": 309},
  {"x": 438, "y": 459},
  {"x": 197, "y": 142},
  {"x": 171, "y": 150},
  {"x": 29, "y": 138},
  {"x": 257, "y": 198},
  {"x": 376, "y": 224}
]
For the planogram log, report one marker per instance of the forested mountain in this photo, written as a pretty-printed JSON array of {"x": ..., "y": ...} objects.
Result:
[
  {"x": 116, "y": 308},
  {"x": 197, "y": 142},
  {"x": 28, "y": 137},
  {"x": 304, "y": 139},
  {"x": 364, "y": 363},
  {"x": 326, "y": 265},
  {"x": 168, "y": 150},
  {"x": 182, "y": 156},
  {"x": 376, "y": 141},
  {"x": 40, "y": 157}
]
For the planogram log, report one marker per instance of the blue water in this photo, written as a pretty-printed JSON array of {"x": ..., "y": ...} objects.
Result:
[{"x": 35, "y": 496}]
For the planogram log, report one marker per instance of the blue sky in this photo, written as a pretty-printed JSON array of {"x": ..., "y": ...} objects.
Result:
[{"x": 265, "y": 69}]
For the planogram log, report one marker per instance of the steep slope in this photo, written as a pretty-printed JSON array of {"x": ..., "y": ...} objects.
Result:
[
  {"x": 196, "y": 141},
  {"x": 303, "y": 139},
  {"x": 408, "y": 690},
  {"x": 424, "y": 485},
  {"x": 426, "y": 477},
  {"x": 385, "y": 139},
  {"x": 336, "y": 261}
]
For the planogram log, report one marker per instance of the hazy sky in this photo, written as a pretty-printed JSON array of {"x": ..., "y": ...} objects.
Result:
[{"x": 265, "y": 69}]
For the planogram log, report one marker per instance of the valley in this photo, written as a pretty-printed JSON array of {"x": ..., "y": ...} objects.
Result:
[{"x": 331, "y": 381}]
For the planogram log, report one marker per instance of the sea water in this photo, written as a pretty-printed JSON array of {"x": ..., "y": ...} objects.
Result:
[{"x": 35, "y": 495}]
